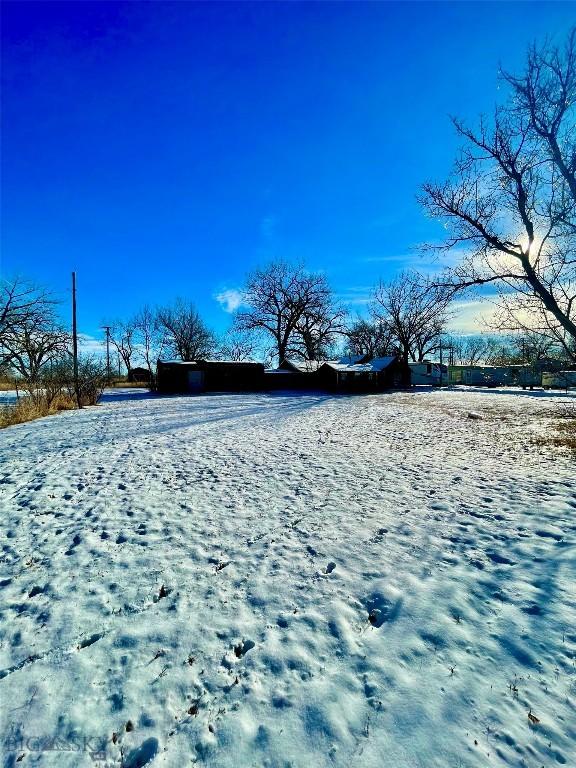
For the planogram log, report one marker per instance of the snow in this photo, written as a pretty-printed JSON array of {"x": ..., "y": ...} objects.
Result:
[
  {"x": 289, "y": 580},
  {"x": 375, "y": 365},
  {"x": 304, "y": 366}
]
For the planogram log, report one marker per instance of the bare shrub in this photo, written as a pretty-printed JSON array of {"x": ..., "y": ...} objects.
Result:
[
  {"x": 92, "y": 379},
  {"x": 563, "y": 431},
  {"x": 28, "y": 408},
  {"x": 54, "y": 391}
]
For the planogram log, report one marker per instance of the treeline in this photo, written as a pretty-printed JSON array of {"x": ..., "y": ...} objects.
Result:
[{"x": 286, "y": 311}]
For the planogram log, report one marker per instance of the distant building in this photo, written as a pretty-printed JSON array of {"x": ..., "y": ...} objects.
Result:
[
  {"x": 426, "y": 372},
  {"x": 495, "y": 375},
  {"x": 139, "y": 375}
]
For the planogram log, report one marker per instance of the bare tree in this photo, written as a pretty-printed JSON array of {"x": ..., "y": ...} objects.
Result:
[
  {"x": 534, "y": 347},
  {"x": 30, "y": 346},
  {"x": 294, "y": 307},
  {"x": 512, "y": 198},
  {"x": 123, "y": 337},
  {"x": 22, "y": 304},
  {"x": 502, "y": 351},
  {"x": 369, "y": 337},
  {"x": 522, "y": 312},
  {"x": 415, "y": 309},
  {"x": 184, "y": 333},
  {"x": 148, "y": 337},
  {"x": 469, "y": 350},
  {"x": 237, "y": 346},
  {"x": 30, "y": 334},
  {"x": 319, "y": 328}
]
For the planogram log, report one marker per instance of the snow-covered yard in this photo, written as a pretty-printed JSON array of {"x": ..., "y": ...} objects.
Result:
[{"x": 275, "y": 580}]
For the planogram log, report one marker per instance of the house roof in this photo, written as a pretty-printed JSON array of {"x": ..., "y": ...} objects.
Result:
[
  {"x": 211, "y": 361},
  {"x": 304, "y": 366},
  {"x": 178, "y": 362},
  {"x": 374, "y": 366},
  {"x": 203, "y": 361},
  {"x": 380, "y": 363}
]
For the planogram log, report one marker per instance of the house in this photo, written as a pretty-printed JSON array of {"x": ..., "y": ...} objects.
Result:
[
  {"x": 306, "y": 374},
  {"x": 140, "y": 375},
  {"x": 176, "y": 376},
  {"x": 295, "y": 374},
  {"x": 377, "y": 374},
  {"x": 356, "y": 374}
]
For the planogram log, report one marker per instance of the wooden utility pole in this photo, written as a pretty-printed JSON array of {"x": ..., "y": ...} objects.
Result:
[
  {"x": 75, "y": 342},
  {"x": 441, "y": 376},
  {"x": 108, "y": 376}
]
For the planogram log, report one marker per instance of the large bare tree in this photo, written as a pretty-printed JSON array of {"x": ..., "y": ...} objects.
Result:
[
  {"x": 31, "y": 346},
  {"x": 369, "y": 337},
  {"x": 148, "y": 337},
  {"x": 238, "y": 346},
  {"x": 184, "y": 333},
  {"x": 294, "y": 307},
  {"x": 511, "y": 202},
  {"x": 123, "y": 336},
  {"x": 319, "y": 327},
  {"x": 415, "y": 309},
  {"x": 30, "y": 333},
  {"x": 22, "y": 305}
]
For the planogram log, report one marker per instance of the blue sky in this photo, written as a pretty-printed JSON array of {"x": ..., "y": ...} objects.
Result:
[{"x": 163, "y": 149}]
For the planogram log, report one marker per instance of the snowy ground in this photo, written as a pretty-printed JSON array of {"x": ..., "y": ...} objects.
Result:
[{"x": 254, "y": 580}]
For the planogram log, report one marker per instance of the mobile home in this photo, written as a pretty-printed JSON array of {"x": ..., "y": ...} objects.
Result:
[
  {"x": 559, "y": 380},
  {"x": 425, "y": 372}
]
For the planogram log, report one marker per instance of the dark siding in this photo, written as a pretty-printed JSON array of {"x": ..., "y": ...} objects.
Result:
[{"x": 209, "y": 376}]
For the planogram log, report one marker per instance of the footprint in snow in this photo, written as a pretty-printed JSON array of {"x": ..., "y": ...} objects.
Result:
[
  {"x": 242, "y": 648},
  {"x": 142, "y": 755},
  {"x": 88, "y": 641},
  {"x": 382, "y": 609}
]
